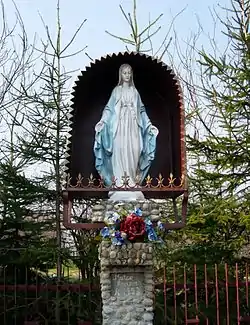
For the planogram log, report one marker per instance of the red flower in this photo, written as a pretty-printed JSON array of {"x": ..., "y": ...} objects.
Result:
[{"x": 134, "y": 227}]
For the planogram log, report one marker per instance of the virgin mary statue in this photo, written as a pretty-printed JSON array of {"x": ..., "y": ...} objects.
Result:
[{"x": 125, "y": 139}]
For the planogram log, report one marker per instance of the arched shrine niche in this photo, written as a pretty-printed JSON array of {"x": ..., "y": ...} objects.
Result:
[{"x": 160, "y": 93}]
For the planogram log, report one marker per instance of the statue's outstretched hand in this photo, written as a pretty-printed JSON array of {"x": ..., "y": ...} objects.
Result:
[
  {"x": 99, "y": 126},
  {"x": 154, "y": 130}
]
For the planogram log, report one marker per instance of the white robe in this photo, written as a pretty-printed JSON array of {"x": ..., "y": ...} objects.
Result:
[{"x": 126, "y": 142}]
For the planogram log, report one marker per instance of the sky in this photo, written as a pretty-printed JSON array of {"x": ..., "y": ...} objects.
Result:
[{"x": 106, "y": 15}]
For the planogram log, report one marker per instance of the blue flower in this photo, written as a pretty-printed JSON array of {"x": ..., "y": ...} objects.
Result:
[
  {"x": 160, "y": 225},
  {"x": 152, "y": 235},
  {"x": 138, "y": 212},
  {"x": 148, "y": 222},
  {"x": 115, "y": 242},
  {"x": 105, "y": 232},
  {"x": 117, "y": 239}
]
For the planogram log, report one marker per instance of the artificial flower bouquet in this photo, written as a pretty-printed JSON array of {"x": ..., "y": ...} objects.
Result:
[{"x": 123, "y": 227}]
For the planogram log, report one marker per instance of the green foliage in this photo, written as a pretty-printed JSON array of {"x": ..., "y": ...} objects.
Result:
[
  {"x": 23, "y": 244},
  {"x": 225, "y": 146},
  {"x": 218, "y": 218},
  {"x": 87, "y": 260}
]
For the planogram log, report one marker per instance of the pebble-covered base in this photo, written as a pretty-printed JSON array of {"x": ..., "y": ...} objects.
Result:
[
  {"x": 149, "y": 209},
  {"x": 127, "y": 284},
  {"x": 126, "y": 255}
]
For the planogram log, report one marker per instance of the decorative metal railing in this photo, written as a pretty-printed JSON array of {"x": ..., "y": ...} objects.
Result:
[
  {"x": 85, "y": 188},
  {"x": 150, "y": 183}
]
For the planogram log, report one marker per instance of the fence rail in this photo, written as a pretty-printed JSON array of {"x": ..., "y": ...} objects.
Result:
[{"x": 190, "y": 294}]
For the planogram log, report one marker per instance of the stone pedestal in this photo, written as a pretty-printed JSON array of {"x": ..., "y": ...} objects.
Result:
[
  {"x": 148, "y": 207},
  {"x": 127, "y": 284}
]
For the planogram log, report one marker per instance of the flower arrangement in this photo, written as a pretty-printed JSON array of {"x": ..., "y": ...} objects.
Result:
[{"x": 123, "y": 227}]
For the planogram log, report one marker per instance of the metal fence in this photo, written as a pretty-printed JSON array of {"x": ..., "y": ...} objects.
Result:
[
  {"x": 47, "y": 304},
  {"x": 196, "y": 294},
  {"x": 207, "y": 294}
]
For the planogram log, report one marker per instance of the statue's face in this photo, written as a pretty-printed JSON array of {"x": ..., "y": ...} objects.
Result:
[{"x": 126, "y": 74}]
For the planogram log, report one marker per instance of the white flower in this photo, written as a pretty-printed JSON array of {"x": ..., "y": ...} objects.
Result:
[
  {"x": 115, "y": 217},
  {"x": 111, "y": 218},
  {"x": 123, "y": 235}
]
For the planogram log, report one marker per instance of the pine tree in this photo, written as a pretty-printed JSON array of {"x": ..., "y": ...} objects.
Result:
[
  {"x": 219, "y": 209},
  {"x": 21, "y": 200},
  {"x": 47, "y": 108}
]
